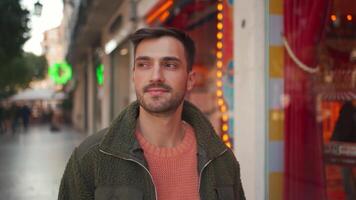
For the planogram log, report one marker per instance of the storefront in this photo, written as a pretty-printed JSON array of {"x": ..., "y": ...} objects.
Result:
[{"x": 311, "y": 78}]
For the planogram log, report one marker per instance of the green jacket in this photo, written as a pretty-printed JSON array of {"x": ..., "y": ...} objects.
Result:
[{"x": 111, "y": 165}]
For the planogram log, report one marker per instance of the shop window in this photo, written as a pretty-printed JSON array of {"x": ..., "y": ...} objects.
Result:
[{"x": 316, "y": 83}]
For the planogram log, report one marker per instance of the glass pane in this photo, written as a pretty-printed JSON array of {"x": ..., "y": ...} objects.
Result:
[{"x": 312, "y": 81}]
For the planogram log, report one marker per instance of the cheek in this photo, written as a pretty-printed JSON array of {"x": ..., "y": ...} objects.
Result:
[
  {"x": 137, "y": 84},
  {"x": 137, "y": 78},
  {"x": 182, "y": 83}
]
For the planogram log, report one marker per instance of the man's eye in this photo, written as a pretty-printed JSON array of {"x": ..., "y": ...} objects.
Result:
[
  {"x": 142, "y": 65},
  {"x": 170, "y": 65}
]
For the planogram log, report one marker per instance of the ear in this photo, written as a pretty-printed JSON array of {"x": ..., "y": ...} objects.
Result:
[{"x": 191, "y": 80}]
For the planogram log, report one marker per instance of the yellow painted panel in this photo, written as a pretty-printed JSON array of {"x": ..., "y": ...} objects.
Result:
[
  {"x": 276, "y": 7},
  {"x": 276, "y": 61},
  {"x": 276, "y": 185},
  {"x": 276, "y": 125}
]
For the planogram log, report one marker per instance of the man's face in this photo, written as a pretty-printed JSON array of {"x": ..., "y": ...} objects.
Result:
[{"x": 160, "y": 75}]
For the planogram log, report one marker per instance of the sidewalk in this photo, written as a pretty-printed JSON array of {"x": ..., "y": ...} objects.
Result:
[{"x": 32, "y": 163}]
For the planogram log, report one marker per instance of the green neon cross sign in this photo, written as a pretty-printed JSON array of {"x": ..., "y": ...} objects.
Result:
[
  {"x": 60, "y": 72},
  {"x": 100, "y": 74}
]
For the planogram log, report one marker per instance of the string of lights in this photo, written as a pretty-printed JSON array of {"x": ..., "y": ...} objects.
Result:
[{"x": 219, "y": 74}]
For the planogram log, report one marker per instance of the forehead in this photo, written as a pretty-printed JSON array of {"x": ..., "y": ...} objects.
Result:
[{"x": 160, "y": 47}]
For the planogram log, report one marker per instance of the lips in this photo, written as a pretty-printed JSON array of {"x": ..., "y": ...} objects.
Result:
[{"x": 156, "y": 91}]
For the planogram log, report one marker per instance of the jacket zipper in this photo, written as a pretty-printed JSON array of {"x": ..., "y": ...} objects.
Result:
[
  {"x": 132, "y": 160},
  {"x": 206, "y": 164}
]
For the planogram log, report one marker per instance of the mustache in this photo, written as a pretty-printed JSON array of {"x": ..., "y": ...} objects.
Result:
[{"x": 157, "y": 85}]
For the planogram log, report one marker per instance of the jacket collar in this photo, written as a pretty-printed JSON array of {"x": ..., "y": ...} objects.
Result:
[{"x": 120, "y": 137}]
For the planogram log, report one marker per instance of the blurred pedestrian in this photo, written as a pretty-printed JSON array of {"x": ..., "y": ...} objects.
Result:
[
  {"x": 7, "y": 118},
  {"x": 53, "y": 117},
  {"x": 160, "y": 146},
  {"x": 25, "y": 115},
  {"x": 15, "y": 114}
]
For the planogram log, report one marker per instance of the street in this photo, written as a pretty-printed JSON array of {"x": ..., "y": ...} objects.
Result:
[{"x": 33, "y": 162}]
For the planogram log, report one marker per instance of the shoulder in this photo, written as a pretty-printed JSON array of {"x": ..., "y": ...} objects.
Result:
[
  {"x": 227, "y": 161},
  {"x": 229, "y": 156},
  {"x": 226, "y": 169},
  {"x": 90, "y": 143}
]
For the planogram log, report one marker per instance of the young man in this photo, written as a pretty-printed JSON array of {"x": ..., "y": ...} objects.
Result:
[{"x": 159, "y": 147}]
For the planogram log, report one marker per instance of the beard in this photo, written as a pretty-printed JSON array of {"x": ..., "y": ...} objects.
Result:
[{"x": 162, "y": 104}]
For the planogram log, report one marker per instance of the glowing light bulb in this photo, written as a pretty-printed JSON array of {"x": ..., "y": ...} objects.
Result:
[
  {"x": 219, "y": 74},
  {"x": 220, "y": 102},
  {"x": 225, "y": 117},
  {"x": 219, "y": 26},
  {"x": 333, "y": 18},
  {"x": 220, "y": 6},
  {"x": 219, "y": 16},
  {"x": 349, "y": 17},
  {"x": 219, "y": 35},
  {"x": 219, "y": 64},
  {"x": 225, "y": 137},
  {"x": 219, "y": 45},
  {"x": 223, "y": 108},
  {"x": 225, "y": 127},
  {"x": 219, "y": 93}
]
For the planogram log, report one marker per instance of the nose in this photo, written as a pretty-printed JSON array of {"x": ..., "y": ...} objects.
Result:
[{"x": 157, "y": 74}]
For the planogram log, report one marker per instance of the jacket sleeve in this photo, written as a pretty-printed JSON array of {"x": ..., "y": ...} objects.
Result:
[{"x": 74, "y": 186}]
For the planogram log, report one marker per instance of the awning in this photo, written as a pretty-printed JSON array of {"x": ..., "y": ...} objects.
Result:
[{"x": 37, "y": 94}]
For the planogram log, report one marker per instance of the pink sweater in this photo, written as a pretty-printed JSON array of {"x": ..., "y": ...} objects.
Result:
[{"x": 174, "y": 170}]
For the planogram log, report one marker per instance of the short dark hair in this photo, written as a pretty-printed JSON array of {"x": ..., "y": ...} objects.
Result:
[{"x": 152, "y": 33}]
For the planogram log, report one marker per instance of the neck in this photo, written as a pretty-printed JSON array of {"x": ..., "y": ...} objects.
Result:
[{"x": 161, "y": 130}]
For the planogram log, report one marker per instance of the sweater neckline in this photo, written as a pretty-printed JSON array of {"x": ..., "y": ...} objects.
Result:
[{"x": 167, "y": 152}]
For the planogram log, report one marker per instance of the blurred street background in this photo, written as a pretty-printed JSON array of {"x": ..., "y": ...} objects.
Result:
[
  {"x": 277, "y": 80},
  {"x": 32, "y": 162}
]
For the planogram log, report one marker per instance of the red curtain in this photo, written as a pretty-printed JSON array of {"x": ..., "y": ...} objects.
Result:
[{"x": 304, "y": 21}]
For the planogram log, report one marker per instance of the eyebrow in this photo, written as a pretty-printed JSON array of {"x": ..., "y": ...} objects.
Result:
[
  {"x": 165, "y": 59},
  {"x": 171, "y": 58},
  {"x": 143, "y": 58}
]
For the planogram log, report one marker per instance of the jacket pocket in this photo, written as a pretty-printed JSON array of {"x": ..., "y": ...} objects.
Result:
[
  {"x": 225, "y": 192},
  {"x": 118, "y": 193}
]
